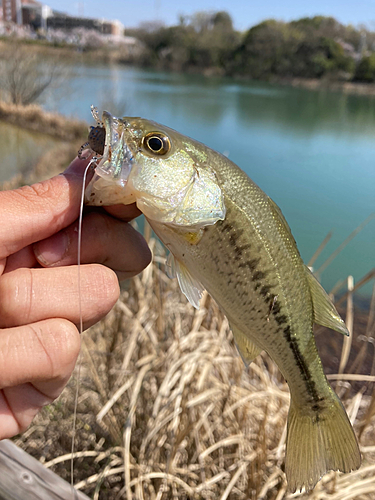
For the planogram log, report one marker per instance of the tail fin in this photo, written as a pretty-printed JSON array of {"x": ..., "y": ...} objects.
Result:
[{"x": 317, "y": 443}]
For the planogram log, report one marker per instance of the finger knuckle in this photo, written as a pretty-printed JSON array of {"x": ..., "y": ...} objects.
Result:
[
  {"x": 60, "y": 342},
  {"x": 106, "y": 280},
  {"x": 39, "y": 190},
  {"x": 104, "y": 290},
  {"x": 15, "y": 296}
]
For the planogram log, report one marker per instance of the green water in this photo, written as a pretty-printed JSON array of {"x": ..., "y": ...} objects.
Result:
[{"x": 312, "y": 152}]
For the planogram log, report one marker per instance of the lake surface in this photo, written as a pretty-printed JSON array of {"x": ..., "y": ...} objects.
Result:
[{"x": 312, "y": 152}]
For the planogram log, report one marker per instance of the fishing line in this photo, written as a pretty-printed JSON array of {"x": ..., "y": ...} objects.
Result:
[{"x": 79, "y": 363}]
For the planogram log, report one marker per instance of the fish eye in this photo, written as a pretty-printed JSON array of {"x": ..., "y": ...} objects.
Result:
[{"x": 156, "y": 143}]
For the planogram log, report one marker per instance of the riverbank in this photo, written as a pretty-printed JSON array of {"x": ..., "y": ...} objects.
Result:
[
  {"x": 70, "y": 135},
  {"x": 315, "y": 84},
  {"x": 33, "y": 117},
  {"x": 106, "y": 54}
]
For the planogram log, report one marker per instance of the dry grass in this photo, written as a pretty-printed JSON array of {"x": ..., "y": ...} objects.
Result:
[
  {"x": 33, "y": 117},
  {"x": 168, "y": 411}
]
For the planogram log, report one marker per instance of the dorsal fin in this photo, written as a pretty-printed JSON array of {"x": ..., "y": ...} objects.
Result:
[{"x": 325, "y": 312}]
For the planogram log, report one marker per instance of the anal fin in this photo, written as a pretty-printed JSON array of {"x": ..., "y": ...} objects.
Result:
[{"x": 246, "y": 347}]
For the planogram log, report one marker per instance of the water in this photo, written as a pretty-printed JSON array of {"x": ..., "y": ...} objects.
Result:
[
  {"x": 21, "y": 149},
  {"x": 312, "y": 152}
]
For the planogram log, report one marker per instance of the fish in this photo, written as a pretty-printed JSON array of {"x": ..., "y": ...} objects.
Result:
[{"x": 226, "y": 236}]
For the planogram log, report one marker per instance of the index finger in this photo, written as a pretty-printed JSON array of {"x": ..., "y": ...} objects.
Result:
[{"x": 33, "y": 213}]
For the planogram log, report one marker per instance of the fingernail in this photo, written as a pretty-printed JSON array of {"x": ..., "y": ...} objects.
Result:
[
  {"x": 75, "y": 168},
  {"x": 52, "y": 250}
]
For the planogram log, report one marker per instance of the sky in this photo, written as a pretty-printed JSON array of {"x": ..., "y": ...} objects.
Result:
[{"x": 244, "y": 13}]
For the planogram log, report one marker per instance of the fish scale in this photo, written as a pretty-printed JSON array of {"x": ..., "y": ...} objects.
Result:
[
  {"x": 231, "y": 283},
  {"x": 227, "y": 236}
]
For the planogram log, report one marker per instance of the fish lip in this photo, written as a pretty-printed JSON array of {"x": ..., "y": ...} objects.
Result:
[{"x": 118, "y": 158}]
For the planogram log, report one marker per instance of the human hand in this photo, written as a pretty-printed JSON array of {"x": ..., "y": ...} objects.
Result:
[{"x": 39, "y": 298}]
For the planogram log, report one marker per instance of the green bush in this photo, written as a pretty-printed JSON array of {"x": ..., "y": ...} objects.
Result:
[
  {"x": 316, "y": 47},
  {"x": 365, "y": 70},
  {"x": 289, "y": 50}
]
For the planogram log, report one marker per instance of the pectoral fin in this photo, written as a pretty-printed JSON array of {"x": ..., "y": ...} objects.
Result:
[
  {"x": 190, "y": 287},
  {"x": 325, "y": 313},
  {"x": 247, "y": 349}
]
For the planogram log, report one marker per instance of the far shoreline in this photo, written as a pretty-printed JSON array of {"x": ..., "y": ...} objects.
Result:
[
  {"x": 108, "y": 56},
  {"x": 356, "y": 88}
]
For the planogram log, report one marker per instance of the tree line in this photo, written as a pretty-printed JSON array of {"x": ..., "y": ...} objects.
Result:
[{"x": 317, "y": 47}]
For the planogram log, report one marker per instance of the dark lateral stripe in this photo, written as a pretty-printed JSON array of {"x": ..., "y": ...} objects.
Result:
[
  {"x": 303, "y": 368},
  {"x": 232, "y": 234}
]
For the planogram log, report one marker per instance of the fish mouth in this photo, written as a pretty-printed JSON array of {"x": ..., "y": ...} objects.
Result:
[
  {"x": 117, "y": 160},
  {"x": 108, "y": 185}
]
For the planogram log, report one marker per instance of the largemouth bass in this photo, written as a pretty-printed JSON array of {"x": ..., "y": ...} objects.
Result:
[{"x": 227, "y": 236}]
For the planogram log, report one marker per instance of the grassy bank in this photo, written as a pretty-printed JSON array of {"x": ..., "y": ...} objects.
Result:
[
  {"x": 168, "y": 411},
  {"x": 71, "y": 134},
  {"x": 72, "y": 54},
  {"x": 33, "y": 117}
]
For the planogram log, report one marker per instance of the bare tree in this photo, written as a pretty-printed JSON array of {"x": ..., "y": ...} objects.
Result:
[{"x": 25, "y": 74}]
